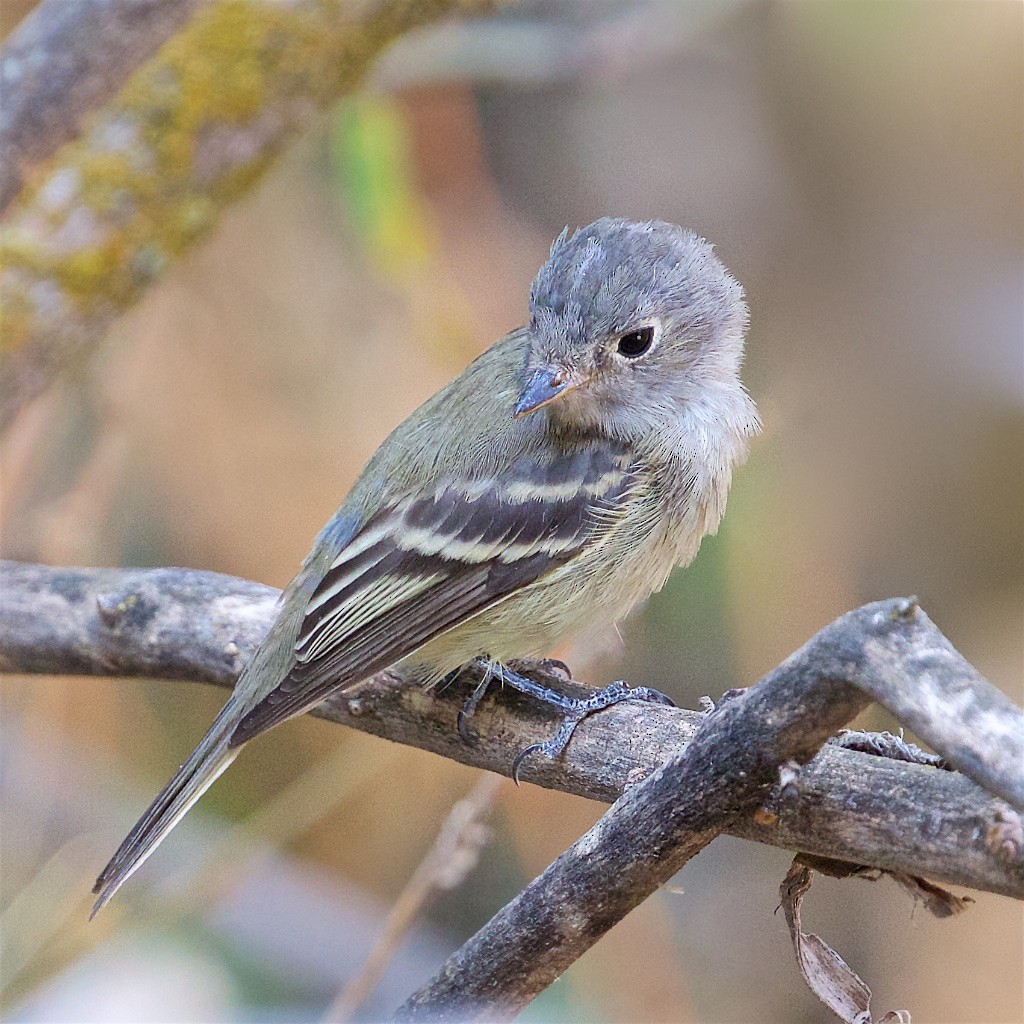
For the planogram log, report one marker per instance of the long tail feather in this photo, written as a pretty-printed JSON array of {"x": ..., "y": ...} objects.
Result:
[{"x": 210, "y": 758}]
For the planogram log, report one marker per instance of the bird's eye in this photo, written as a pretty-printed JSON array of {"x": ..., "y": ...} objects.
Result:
[{"x": 636, "y": 343}]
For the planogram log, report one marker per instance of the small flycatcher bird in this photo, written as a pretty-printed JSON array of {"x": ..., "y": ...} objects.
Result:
[{"x": 547, "y": 489}]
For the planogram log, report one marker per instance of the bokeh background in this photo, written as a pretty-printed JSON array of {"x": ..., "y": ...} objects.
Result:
[{"x": 859, "y": 167}]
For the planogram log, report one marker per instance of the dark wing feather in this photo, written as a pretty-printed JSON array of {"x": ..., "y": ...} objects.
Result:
[{"x": 421, "y": 567}]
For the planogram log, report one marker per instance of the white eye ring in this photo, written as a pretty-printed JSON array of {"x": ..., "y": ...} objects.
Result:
[{"x": 638, "y": 342}]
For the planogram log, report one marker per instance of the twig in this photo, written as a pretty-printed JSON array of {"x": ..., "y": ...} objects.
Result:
[
  {"x": 183, "y": 624},
  {"x": 723, "y": 774},
  {"x": 454, "y": 854}
]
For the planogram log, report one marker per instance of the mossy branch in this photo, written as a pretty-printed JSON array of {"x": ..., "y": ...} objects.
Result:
[
  {"x": 64, "y": 61},
  {"x": 149, "y": 174}
]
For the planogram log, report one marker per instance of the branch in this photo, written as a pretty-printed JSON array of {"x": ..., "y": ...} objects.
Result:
[
  {"x": 191, "y": 131},
  {"x": 64, "y": 60},
  {"x": 722, "y": 776},
  {"x": 202, "y": 626},
  {"x": 724, "y": 773}
]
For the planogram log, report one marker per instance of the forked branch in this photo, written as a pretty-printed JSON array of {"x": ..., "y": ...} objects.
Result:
[
  {"x": 888, "y": 651},
  {"x": 182, "y": 624},
  {"x": 678, "y": 778}
]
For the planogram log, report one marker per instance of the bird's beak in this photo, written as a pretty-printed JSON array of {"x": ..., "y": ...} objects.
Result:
[{"x": 546, "y": 384}]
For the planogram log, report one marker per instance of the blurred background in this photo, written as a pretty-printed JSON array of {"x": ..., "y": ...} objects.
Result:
[{"x": 859, "y": 167}]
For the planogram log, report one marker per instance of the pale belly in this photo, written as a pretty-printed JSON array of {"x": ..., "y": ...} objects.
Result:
[{"x": 583, "y": 599}]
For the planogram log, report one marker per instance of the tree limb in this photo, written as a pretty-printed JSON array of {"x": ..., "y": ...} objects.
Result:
[
  {"x": 65, "y": 60},
  {"x": 723, "y": 775},
  {"x": 190, "y": 132},
  {"x": 202, "y": 626}
]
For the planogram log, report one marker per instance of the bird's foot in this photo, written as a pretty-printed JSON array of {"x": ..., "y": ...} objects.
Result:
[
  {"x": 557, "y": 668},
  {"x": 491, "y": 670},
  {"x": 574, "y": 709}
]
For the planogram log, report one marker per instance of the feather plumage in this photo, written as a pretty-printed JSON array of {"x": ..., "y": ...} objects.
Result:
[
  {"x": 428, "y": 564},
  {"x": 473, "y": 530}
]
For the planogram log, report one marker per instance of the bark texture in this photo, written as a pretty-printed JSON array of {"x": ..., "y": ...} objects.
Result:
[
  {"x": 180, "y": 624},
  {"x": 64, "y": 60},
  {"x": 144, "y": 176},
  {"x": 888, "y": 651}
]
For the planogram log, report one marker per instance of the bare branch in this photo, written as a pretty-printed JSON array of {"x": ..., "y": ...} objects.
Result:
[
  {"x": 202, "y": 626},
  {"x": 191, "y": 131},
  {"x": 724, "y": 774}
]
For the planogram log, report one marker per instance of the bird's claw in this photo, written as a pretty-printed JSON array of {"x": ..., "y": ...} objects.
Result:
[
  {"x": 574, "y": 709},
  {"x": 557, "y": 668},
  {"x": 577, "y": 709}
]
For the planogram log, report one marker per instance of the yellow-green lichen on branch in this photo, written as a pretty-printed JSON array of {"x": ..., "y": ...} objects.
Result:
[{"x": 190, "y": 132}]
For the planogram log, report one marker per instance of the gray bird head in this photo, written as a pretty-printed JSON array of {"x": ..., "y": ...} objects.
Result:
[{"x": 636, "y": 327}]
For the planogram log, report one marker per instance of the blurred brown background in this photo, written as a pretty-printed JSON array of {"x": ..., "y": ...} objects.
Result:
[{"x": 860, "y": 168}]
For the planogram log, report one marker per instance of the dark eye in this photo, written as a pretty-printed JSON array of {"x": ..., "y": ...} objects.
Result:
[{"x": 636, "y": 343}]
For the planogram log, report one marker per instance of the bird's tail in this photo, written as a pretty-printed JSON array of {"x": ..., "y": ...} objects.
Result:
[{"x": 193, "y": 779}]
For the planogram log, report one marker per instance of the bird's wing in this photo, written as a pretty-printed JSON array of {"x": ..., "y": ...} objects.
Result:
[{"x": 423, "y": 566}]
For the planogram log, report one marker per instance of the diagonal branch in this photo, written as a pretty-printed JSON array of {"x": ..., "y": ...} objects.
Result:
[
  {"x": 722, "y": 775},
  {"x": 65, "y": 60},
  {"x": 203, "y": 626},
  {"x": 98, "y": 206}
]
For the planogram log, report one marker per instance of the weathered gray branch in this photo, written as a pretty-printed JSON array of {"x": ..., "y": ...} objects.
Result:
[
  {"x": 889, "y": 651},
  {"x": 202, "y": 626},
  {"x": 723, "y": 774}
]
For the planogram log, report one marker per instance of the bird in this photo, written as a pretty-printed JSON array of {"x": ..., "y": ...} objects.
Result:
[{"x": 543, "y": 493}]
